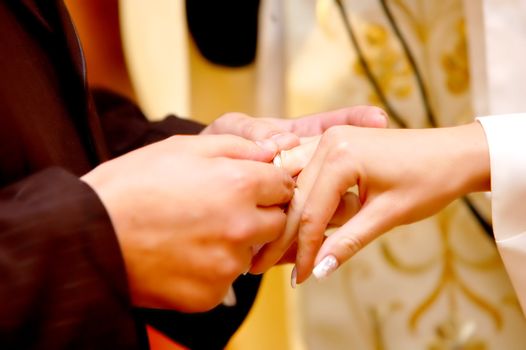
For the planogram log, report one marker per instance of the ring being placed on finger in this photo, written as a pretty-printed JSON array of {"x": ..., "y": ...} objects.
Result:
[{"x": 277, "y": 161}]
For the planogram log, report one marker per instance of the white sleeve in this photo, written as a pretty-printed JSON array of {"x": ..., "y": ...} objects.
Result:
[{"x": 506, "y": 136}]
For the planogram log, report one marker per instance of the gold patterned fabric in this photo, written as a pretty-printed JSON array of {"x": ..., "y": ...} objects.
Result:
[{"x": 437, "y": 284}]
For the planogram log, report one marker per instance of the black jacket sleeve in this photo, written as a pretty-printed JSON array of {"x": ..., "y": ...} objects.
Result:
[
  {"x": 61, "y": 270},
  {"x": 126, "y": 128}
]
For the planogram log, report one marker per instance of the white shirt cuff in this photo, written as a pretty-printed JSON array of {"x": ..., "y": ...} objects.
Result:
[{"x": 506, "y": 137}]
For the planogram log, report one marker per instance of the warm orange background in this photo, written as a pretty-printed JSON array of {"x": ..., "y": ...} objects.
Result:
[{"x": 98, "y": 26}]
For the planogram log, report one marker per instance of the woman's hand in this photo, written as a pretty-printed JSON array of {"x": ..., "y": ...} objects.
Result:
[{"x": 401, "y": 176}]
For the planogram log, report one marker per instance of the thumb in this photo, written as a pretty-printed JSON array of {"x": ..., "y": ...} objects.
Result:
[{"x": 368, "y": 224}]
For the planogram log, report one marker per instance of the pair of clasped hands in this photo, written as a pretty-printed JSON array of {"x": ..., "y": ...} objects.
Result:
[{"x": 192, "y": 213}]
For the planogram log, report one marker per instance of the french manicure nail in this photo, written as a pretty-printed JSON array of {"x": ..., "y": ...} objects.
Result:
[
  {"x": 327, "y": 266},
  {"x": 293, "y": 277}
]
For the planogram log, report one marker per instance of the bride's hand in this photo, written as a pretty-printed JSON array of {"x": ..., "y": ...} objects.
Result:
[{"x": 401, "y": 175}]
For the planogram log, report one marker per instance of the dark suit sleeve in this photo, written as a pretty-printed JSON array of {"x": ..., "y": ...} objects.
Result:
[
  {"x": 125, "y": 128},
  {"x": 62, "y": 274}
]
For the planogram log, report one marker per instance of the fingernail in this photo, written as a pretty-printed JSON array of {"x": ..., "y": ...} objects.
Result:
[
  {"x": 328, "y": 265},
  {"x": 268, "y": 145},
  {"x": 380, "y": 119},
  {"x": 293, "y": 277},
  {"x": 230, "y": 298}
]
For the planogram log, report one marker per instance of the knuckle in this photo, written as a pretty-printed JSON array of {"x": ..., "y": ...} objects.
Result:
[
  {"x": 309, "y": 220},
  {"x": 339, "y": 152},
  {"x": 337, "y": 142},
  {"x": 229, "y": 269},
  {"x": 351, "y": 244},
  {"x": 333, "y": 133},
  {"x": 241, "y": 181},
  {"x": 226, "y": 265},
  {"x": 312, "y": 230},
  {"x": 312, "y": 240},
  {"x": 240, "y": 231},
  {"x": 249, "y": 129},
  {"x": 277, "y": 227}
]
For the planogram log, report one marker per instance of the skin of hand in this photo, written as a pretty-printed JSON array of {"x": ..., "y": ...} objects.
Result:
[
  {"x": 402, "y": 176},
  {"x": 282, "y": 134},
  {"x": 278, "y": 134},
  {"x": 187, "y": 212}
]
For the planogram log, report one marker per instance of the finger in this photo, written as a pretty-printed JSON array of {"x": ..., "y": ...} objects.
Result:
[
  {"x": 371, "y": 221},
  {"x": 336, "y": 175},
  {"x": 256, "y": 129},
  {"x": 230, "y": 146},
  {"x": 364, "y": 116},
  {"x": 348, "y": 207},
  {"x": 290, "y": 255},
  {"x": 273, "y": 251},
  {"x": 267, "y": 184},
  {"x": 271, "y": 224},
  {"x": 295, "y": 159}
]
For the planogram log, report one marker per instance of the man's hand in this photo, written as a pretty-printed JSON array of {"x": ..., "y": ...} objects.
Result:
[
  {"x": 187, "y": 215},
  {"x": 281, "y": 134}
]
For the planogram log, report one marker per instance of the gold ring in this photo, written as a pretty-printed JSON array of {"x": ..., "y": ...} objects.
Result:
[{"x": 277, "y": 161}]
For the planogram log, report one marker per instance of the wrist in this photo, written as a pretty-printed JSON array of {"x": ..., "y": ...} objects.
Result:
[{"x": 472, "y": 162}]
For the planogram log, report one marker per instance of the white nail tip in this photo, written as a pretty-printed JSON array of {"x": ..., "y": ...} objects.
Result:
[
  {"x": 293, "y": 278},
  {"x": 327, "y": 266}
]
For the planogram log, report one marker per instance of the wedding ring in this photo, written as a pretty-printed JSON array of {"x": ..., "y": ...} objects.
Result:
[{"x": 277, "y": 161}]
